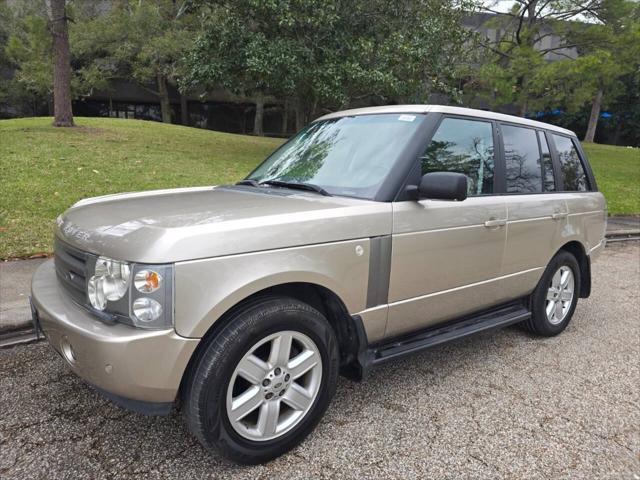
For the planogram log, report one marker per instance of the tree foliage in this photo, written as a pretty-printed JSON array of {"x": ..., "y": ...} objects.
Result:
[
  {"x": 331, "y": 53},
  {"x": 610, "y": 58},
  {"x": 521, "y": 47},
  {"x": 140, "y": 39}
]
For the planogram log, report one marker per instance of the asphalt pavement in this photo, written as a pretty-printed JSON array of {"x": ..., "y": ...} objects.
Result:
[{"x": 499, "y": 405}]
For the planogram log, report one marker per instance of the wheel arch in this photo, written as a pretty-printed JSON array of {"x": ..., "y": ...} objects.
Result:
[
  {"x": 577, "y": 249},
  {"x": 327, "y": 302}
]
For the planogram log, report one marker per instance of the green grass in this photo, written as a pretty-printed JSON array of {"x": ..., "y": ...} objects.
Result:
[
  {"x": 617, "y": 171},
  {"x": 44, "y": 170}
]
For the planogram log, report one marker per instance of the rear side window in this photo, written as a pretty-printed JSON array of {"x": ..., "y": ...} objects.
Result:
[
  {"x": 463, "y": 146},
  {"x": 523, "y": 162},
  {"x": 547, "y": 164},
  {"x": 571, "y": 168}
]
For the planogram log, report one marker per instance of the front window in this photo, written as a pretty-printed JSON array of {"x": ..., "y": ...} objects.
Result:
[
  {"x": 463, "y": 146},
  {"x": 350, "y": 156}
]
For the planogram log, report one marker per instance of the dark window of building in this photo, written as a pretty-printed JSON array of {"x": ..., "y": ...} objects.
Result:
[
  {"x": 571, "y": 168},
  {"x": 522, "y": 160},
  {"x": 547, "y": 164},
  {"x": 463, "y": 146}
]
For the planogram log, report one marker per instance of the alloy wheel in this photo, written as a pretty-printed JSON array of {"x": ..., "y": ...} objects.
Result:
[
  {"x": 274, "y": 385},
  {"x": 560, "y": 295}
]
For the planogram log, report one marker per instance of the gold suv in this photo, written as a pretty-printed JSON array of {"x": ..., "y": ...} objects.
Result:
[{"x": 371, "y": 234}]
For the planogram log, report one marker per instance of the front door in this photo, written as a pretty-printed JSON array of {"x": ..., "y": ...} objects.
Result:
[{"x": 447, "y": 256}]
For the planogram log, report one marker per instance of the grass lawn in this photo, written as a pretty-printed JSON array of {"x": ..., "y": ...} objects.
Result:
[
  {"x": 617, "y": 171},
  {"x": 44, "y": 170}
]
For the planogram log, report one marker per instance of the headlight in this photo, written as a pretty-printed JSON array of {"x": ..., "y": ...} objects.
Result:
[
  {"x": 136, "y": 294},
  {"x": 109, "y": 282}
]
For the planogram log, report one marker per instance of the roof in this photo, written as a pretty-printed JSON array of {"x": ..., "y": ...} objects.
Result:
[{"x": 470, "y": 112}]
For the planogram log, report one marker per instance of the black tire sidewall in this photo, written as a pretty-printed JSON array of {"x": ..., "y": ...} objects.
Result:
[
  {"x": 541, "y": 323},
  {"x": 211, "y": 379}
]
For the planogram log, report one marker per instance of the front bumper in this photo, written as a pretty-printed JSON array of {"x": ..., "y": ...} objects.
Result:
[{"x": 138, "y": 369}]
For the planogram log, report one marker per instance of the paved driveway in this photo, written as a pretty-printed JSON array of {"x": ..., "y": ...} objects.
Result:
[{"x": 503, "y": 405}]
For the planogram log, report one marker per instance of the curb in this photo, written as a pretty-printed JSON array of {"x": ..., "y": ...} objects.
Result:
[
  {"x": 623, "y": 235},
  {"x": 12, "y": 338}
]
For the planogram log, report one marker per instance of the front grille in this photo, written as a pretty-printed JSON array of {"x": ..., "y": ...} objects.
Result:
[{"x": 71, "y": 268}]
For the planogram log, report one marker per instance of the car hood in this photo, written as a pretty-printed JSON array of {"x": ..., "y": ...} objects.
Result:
[{"x": 193, "y": 223}]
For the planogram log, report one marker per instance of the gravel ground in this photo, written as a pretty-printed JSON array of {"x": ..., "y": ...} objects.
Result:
[{"x": 501, "y": 405}]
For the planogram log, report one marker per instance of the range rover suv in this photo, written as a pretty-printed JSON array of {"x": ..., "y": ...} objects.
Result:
[{"x": 372, "y": 234}]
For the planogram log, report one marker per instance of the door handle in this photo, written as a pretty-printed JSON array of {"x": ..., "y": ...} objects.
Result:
[
  {"x": 559, "y": 215},
  {"x": 493, "y": 223}
]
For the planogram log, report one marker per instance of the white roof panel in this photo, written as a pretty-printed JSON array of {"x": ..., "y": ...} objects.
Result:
[{"x": 470, "y": 112}]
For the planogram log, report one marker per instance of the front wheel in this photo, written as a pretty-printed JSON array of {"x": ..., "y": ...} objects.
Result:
[
  {"x": 554, "y": 299},
  {"x": 264, "y": 381}
]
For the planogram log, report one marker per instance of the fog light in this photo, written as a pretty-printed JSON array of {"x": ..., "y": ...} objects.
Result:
[
  {"x": 67, "y": 351},
  {"x": 147, "y": 309}
]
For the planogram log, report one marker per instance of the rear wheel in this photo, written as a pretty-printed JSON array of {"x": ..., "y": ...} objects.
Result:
[
  {"x": 554, "y": 299},
  {"x": 264, "y": 381}
]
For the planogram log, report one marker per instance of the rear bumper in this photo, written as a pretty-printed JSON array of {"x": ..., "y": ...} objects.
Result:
[{"x": 137, "y": 369}]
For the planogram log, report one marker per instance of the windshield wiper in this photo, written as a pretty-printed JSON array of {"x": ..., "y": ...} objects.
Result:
[
  {"x": 299, "y": 186},
  {"x": 248, "y": 181}
]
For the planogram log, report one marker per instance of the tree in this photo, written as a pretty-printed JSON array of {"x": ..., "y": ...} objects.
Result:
[
  {"x": 246, "y": 47},
  {"x": 611, "y": 52},
  {"x": 618, "y": 52},
  {"x": 329, "y": 54},
  {"x": 517, "y": 54},
  {"x": 142, "y": 39},
  {"x": 63, "y": 114},
  {"x": 27, "y": 53}
]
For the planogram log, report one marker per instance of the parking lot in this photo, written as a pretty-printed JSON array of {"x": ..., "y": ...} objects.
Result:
[{"x": 499, "y": 405}]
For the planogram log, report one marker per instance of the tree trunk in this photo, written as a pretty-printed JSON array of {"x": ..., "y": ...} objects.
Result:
[
  {"x": 63, "y": 114},
  {"x": 165, "y": 104},
  {"x": 259, "y": 117},
  {"x": 184, "y": 110},
  {"x": 593, "y": 118},
  {"x": 523, "y": 109},
  {"x": 299, "y": 116},
  {"x": 616, "y": 136},
  {"x": 285, "y": 117}
]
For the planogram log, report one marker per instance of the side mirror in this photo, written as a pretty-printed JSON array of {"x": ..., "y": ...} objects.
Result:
[{"x": 443, "y": 186}]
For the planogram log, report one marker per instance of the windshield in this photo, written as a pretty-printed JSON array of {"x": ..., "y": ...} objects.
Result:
[{"x": 348, "y": 156}]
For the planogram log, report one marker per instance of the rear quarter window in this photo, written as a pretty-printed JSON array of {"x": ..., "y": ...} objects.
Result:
[{"x": 571, "y": 167}]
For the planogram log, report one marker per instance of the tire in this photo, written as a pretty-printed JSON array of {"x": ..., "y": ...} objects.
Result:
[
  {"x": 541, "y": 322},
  {"x": 229, "y": 370}
]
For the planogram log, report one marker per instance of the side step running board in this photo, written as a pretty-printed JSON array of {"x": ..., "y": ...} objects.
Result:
[{"x": 488, "y": 320}]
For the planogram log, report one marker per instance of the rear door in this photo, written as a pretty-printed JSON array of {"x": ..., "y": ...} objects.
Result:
[
  {"x": 536, "y": 213},
  {"x": 586, "y": 206},
  {"x": 446, "y": 255}
]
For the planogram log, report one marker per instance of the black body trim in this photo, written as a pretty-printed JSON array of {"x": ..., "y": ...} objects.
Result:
[
  {"x": 497, "y": 317},
  {"x": 585, "y": 164},
  {"x": 585, "y": 276},
  {"x": 379, "y": 271},
  {"x": 138, "y": 406}
]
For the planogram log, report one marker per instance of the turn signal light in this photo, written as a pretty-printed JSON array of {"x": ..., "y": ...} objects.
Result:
[{"x": 147, "y": 281}]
